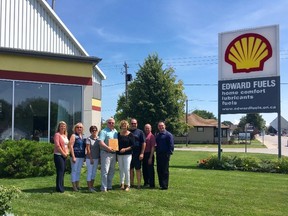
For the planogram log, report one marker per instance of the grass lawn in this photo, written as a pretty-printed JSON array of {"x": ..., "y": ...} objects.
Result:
[{"x": 191, "y": 191}]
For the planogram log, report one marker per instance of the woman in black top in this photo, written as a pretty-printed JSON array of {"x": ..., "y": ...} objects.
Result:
[{"x": 126, "y": 141}]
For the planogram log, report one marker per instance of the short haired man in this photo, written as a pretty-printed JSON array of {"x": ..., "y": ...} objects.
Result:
[
  {"x": 138, "y": 152},
  {"x": 148, "y": 160},
  {"x": 164, "y": 149},
  {"x": 107, "y": 155}
]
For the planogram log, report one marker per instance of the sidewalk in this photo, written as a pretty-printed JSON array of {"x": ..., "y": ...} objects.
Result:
[
  {"x": 271, "y": 143},
  {"x": 249, "y": 150}
]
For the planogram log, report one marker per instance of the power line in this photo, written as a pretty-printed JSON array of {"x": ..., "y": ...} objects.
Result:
[
  {"x": 177, "y": 61},
  {"x": 187, "y": 84}
]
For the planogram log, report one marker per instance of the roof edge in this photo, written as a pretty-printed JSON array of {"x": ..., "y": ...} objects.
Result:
[{"x": 88, "y": 59}]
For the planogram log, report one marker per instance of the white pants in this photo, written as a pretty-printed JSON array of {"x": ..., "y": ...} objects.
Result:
[
  {"x": 108, "y": 162},
  {"x": 124, "y": 168},
  {"x": 76, "y": 169},
  {"x": 91, "y": 169}
]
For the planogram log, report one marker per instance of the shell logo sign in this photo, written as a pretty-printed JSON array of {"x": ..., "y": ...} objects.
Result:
[{"x": 248, "y": 53}]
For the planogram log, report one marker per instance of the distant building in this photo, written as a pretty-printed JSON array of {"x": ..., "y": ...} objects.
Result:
[
  {"x": 45, "y": 74},
  {"x": 284, "y": 125},
  {"x": 203, "y": 131}
]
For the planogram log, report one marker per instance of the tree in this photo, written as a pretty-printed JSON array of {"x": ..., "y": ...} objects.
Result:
[
  {"x": 204, "y": 114},
  {"x": 154, "y": 95},
  {"x": 254, "y": 119},
  {"x": 227, "y": 123}
]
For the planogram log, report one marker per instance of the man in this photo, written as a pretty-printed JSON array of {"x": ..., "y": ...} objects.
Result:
[
  {"x": 138, "y": 152},
  {"x": 164, "y": 149},
  {"x": 148, "y": 160},
  {"x": 107, "y": 154}
]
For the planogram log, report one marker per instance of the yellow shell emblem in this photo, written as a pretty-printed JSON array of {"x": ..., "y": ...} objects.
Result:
[{"x": 248, "y": 52}]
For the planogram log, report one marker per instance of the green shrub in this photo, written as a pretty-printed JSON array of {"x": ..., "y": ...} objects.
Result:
[
  {"x": 24, "y": 158},
  {"x": 6, "y": 195},
  {"x": 245, "y": 164}
]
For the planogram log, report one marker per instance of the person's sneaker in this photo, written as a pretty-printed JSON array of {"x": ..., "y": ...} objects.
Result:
[
  {"x": 75, "y": 189},
  {"x": 127, "y": 188},
  {"x": 92, "y": 190}
]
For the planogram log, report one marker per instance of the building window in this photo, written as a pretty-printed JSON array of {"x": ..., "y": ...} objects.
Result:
[
  {"x": 6, "y": 89},
  {"x": 31, "y": 111},
  {"x": 66, "y": 105},
  {"x": 200, "y": 129},
  {"x": 97, "y": 91},
  {"x": 97, "y": 85},
  {"x": 223, "y": 131}
]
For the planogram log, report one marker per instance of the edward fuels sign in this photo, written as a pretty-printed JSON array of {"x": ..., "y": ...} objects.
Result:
[{"x": 249, "y": 80}]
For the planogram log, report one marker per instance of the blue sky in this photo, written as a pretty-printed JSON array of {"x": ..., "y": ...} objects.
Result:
[{"x": 184, "y": 34}]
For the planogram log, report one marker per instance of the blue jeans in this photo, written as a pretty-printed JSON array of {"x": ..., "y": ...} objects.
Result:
[{"x": 59, "y": 161}]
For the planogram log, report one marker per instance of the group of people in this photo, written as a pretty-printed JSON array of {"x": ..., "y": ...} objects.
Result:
[
  {"x": 134, "y": 150},
  {"x": 80, "y": 150}
]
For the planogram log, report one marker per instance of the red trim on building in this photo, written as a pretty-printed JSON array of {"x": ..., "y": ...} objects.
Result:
[
  {"x": 96, "y": 108},
  {"x": 45, "y": 77}
]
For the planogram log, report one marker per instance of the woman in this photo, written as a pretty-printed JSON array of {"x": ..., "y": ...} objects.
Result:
[
  {"x": 77, "y": 151},
  {"x": 60, "y": 154},
  {"x": 126, "y": 141},
  {"x": 92, "y": 157}
]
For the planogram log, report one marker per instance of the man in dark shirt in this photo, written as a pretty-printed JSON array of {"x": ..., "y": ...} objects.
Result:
[
  {"x": 164, "y": 149},
  {"x": 137, "y": 152}
]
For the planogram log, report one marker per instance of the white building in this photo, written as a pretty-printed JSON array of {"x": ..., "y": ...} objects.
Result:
[
  {"x": 284, "y": 124},
  {"x": 45, "y": 74}
]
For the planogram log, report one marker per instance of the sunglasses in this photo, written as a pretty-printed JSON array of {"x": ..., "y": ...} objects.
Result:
[
  {"x": 111, "y": 123},
  {"x": 133, "y": 123}
]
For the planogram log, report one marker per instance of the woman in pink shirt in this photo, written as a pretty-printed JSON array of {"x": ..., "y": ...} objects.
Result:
[{"x": 60, "y": 154}]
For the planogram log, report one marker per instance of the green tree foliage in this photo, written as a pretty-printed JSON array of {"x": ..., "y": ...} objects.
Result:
[
  {"x": 254, "y": 119},
  {"x": 204, "y": 114},
  {"x": 227, "y": 123},
  {"x": 154, "y": 95}
]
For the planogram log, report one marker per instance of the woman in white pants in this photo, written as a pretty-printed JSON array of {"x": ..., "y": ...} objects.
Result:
[
  {"x": 126, "y": 141},
  {"x": 92, "y": 157},
  {"x": 77, "y": 147}
]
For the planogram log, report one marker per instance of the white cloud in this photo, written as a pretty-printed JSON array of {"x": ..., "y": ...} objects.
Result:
[{"x": 116, "y": 38}]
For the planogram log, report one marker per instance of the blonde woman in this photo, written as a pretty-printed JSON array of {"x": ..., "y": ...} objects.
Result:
[
  {"x": 77, "y": 150},
  {"x": 126, "y": 141},
  {"x": 60, "y": 154}
]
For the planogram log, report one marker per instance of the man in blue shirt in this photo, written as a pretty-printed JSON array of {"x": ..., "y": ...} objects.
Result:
[
  {"x": 107, "y": 155},
  {"x": 164, "y": 149}
]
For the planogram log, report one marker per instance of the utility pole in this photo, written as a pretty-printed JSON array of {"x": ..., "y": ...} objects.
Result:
[
  {"x": 126, "y": 81},
  {"x": 187, "y": 123},
  {"x": 128, "y": 78}
]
